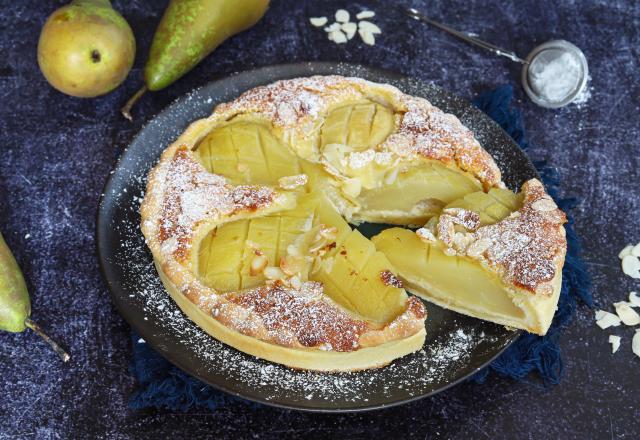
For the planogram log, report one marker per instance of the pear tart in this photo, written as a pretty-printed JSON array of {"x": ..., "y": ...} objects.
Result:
[
  {"x": 496, "y": 256},
  {"x": 247, "y": 216}
]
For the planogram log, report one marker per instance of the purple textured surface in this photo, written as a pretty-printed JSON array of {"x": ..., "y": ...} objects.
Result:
[{"x": 56, "y": 152}]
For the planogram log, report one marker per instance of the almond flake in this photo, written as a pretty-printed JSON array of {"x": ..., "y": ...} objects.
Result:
[
  {"x": 631, "y": 266},
  {"x": 273, "y": 273},
  {"x": 318, "y": 21},
  {"x": 338, "y": 37},
  {"x": 342, "y": 15},
  {"x": 476, "y": 248},
  {"x": 332, "y": 27},
  {"x": 328, "y": 232},
  {"x": 635, "y": 343},
  {"x": 367, "y": 37},
  {"x": 365, "y": 14},
  {"x": 369, "y": 27},
  {"x": 634, "y": 299},
  {"x": 544, "y": 205},
  {"x": 391, "y": 176},
  {"x": 295, "y": 282},
  {"x": 627, "y": 314},
  {"x": 316, "y": 265},
  {"x": 615, "y": 343},
  {"x": 426, "y": 235},
  {"x": 258, "y": 264},
  {"x": 626, "y": 251},
  {"x": 604, "y": 320},
  {"x": 349, "y": 29},
  {"x": 292, "y": 182},
  {"x": 292, "y": 265},
  {"x": 352, "y": 187}
]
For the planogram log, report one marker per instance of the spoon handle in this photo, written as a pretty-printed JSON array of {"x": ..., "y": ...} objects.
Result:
[{"x": 415, "y": 14}]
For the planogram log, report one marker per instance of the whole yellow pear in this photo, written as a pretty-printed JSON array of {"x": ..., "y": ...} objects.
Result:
[{"x": 86, "y": 48}]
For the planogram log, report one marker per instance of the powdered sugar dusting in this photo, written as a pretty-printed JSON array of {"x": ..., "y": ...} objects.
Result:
[
  {"x": 192, "y": 194},
  {"x": 429, "y": 132},
  {"x": 424, "y": 131},
  {"x": 312, "y": 321},
  {"x": 527, "y": 246}
]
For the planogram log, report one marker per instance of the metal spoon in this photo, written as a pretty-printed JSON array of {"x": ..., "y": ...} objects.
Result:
[{"x": 539, "y": 56}]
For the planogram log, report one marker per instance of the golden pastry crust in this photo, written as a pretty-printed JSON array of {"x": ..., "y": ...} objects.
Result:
[{"x": 526, "y": 249}]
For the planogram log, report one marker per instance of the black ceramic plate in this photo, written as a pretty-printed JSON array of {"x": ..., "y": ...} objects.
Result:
[{"x": 456, "y": 346}]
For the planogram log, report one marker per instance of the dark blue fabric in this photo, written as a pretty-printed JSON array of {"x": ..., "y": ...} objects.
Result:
[
  {"x": 531, "y": 352},
  {"x": 160, "y": 384}
]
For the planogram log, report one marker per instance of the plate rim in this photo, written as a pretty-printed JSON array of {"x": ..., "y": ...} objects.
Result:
[{"x": 176, "y": 360}]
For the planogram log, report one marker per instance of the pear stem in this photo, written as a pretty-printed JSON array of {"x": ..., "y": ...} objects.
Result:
[
  {"x": 57, "y": 348},
  {"x": 126, "y": 110}
]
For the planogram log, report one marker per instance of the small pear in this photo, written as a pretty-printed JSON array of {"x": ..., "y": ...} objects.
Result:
[
  {"x": 189, "y": 31},
  {"x": 15, "y": 304},
  {"x": 86, "y": 48}
]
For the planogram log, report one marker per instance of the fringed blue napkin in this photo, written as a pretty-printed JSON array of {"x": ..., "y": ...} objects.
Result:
[{"x": 160, "y": 384}]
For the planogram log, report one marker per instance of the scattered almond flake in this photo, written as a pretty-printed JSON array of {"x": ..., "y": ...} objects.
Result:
[
  {"x": 352, "y": 187},
  {"x": 636, "y": 250},
  {"x": 258, "y": 264},
  {"x": 292, "y": 182},
  {"x": 349, "y": 29},
  {"x": 615, "y": 343},
  {"x": 628, "y": 316},
  {"x": 604, "y": 320},
  {"x": 635, "y": 343},
  {"x": 369, "y": 27},
  {"x": 318, "y": 21},
  {"x": 626, "y": 251},
  {"x": 631, "y": 266},
  {"x": 342, "y": 16},
  {"x": 141, "y": 341},
  {"x": 27, "y": 236},
  {"x": 365, "y": 14},
  {"x": 332, "y": 27},
  {"x": 426, "y": 235},
  {"x": 367, "y": 37},
  {"x": 634, "y": 299},
  {"x": 338, "y": 37}
]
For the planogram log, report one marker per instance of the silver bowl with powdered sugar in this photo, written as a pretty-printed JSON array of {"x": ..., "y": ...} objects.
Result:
[{"x": 555, "y": 74}]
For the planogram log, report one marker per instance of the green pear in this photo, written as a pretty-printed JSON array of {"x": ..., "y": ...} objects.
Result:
[
  {"x": 86, "y": 48},
  {"x": 189, "y": 31},
  {"x": 15, "y": 304}
]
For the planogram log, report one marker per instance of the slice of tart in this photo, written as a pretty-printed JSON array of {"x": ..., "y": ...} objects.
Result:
[{"x": 496, "y": 256}]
